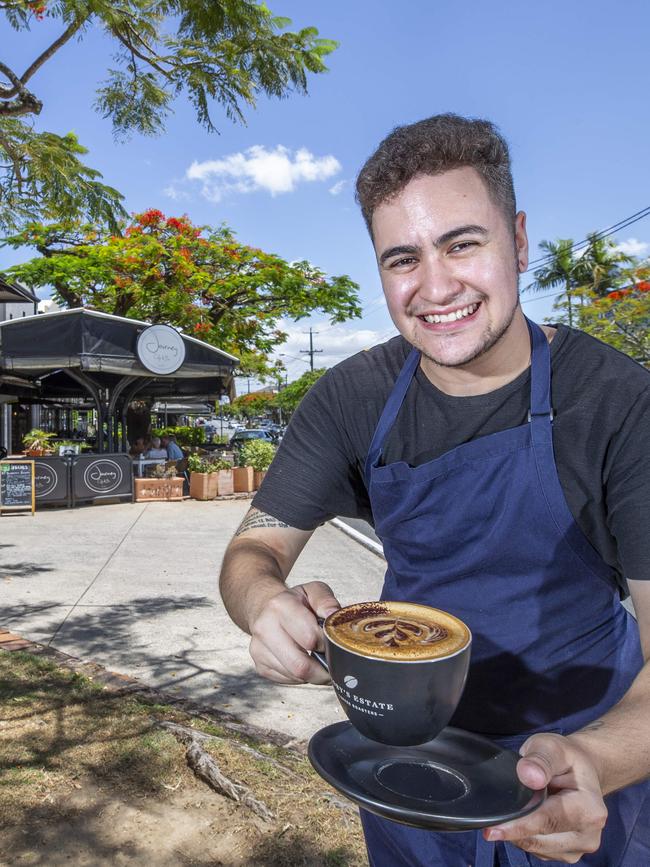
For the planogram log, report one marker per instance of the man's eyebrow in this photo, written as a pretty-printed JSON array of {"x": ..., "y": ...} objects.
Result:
[
  {"x": 445, "y": 238},
  {"x": 471, "y": 229},
  {"x": 401, "y": 250}
]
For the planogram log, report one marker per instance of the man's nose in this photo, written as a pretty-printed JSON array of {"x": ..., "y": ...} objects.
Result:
[{"x": 437, "y": 281}]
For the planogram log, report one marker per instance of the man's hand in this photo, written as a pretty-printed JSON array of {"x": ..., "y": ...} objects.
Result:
[
  {"x": 570, "y": 822},
  {"x": 285, "y": 630}
]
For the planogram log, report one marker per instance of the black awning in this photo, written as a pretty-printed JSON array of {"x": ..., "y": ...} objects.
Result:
[
  {"x": 83, "y": 354},
  {"x": 50, "y": 348}
]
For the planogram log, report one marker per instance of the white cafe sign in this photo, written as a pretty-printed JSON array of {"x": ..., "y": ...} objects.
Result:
[{"x": 161, "y": 349}]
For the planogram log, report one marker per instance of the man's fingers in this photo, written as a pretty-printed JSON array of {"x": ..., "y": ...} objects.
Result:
[
  {"x": 286, "y": 661},
  {"x": 320, "y": 598},
  {"x": 542, "y": 757}
]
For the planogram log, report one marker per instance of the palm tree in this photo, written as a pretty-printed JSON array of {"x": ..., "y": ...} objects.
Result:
[
  {"x": 560, "y": 269},
  {"x": 601, "y": 268},
  {"x": 593, "y": 270}
]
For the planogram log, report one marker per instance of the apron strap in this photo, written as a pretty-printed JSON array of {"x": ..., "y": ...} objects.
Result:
[
  {"x": 391, "y": 409},
  {"x": 485, "y": 855},
  {"x": 540, "y": 372}
]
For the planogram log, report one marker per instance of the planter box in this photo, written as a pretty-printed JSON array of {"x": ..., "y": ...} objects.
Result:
[
  {"x": 203, "y": 486},
  {"x": 225, "y": 484},
  {"x": 151, "y": 490},
  {"x": 242, "y": 479},
  {"x": 258, "y": 478}
]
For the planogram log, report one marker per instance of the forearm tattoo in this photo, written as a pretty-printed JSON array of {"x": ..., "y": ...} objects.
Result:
[{"x": 256, "y": 520}]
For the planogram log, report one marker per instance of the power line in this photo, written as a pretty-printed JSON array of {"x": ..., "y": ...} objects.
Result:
[{"x": 604, "y": 233}]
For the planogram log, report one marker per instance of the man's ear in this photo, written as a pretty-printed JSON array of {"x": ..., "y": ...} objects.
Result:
[{"x": 521, "y": 241}]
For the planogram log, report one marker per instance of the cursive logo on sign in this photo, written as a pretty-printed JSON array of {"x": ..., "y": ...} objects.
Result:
[
  {"x": 45, "y": 479},
  {"x": 103, "y": 476},
  {"x": 161, "y": 349}
]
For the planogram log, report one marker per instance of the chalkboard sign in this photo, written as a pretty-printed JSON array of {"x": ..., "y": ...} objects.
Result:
[{"x": 17, "y": 490}]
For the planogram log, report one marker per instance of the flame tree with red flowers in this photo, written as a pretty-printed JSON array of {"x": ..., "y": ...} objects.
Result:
[
  {"x": 622, "y": 317},
  {"x": 200, "y": 279},
  {"x": 222, "y": 56}
]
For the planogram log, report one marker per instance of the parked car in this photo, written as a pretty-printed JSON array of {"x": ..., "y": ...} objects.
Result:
[{"x": 241, "y": 436}]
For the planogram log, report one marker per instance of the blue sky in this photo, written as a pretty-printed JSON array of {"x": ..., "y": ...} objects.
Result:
[{"x": 567, "y": 83}]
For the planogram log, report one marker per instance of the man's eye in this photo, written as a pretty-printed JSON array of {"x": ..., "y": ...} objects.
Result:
[
  {"x": 405, "y": 260},
  {"x": 463, "y": 245}
]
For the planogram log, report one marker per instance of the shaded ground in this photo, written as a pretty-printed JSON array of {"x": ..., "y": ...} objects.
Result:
[{"x": 88, "y": 777}]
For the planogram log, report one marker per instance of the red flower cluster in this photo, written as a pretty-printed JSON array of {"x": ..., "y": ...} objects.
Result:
[
  {"x": 201, "y": 328},
  {"x": 38, "y": 8},
  {"x": 643, "y": 286},
  {"x": 150, "y": 217},
  {"x": 175, "y": 223}
]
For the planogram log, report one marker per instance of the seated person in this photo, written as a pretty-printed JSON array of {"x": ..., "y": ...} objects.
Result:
[
  {"x": 156, "y": 451},
  {"x": 174, "y": 451},
  {"x": 138, "y": 448}
]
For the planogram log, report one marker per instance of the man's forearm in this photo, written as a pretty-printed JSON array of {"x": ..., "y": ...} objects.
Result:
[
  {"x": 619, "y": 741},
  {"x": 251, "y": 574}
]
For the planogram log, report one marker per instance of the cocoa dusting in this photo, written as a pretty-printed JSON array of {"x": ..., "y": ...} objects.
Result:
[{"x": 370, "y": 609}]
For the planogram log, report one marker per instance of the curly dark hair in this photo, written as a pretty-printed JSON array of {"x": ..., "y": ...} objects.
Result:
[{"x": 430, "y": 147}]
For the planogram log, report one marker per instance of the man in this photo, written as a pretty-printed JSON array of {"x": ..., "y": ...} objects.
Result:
[
  {"x": 174, "y": 452},
  {"x": 506, "y": 469}
]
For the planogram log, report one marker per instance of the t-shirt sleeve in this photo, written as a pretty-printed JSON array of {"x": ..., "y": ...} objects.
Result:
[
  {"x": 627, "y": 490},
  {"x": 315, "y": 474}
]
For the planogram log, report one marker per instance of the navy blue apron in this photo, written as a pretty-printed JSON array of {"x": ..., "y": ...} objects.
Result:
[{"x": 484, "y": 531}]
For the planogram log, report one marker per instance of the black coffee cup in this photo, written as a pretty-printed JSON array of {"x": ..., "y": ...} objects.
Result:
[{"x": 391, "y": 698}]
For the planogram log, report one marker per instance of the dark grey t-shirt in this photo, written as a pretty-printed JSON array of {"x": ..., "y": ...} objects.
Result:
[{"x": 601, "y": 400}]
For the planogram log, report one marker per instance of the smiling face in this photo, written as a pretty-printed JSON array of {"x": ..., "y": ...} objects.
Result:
[{"x": 449, "y": 262}]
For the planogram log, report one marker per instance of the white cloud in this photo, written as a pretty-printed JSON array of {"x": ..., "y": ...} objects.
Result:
[
  {"x": 633, "y": 247},
  {"x": 338, "y": 187},
  {"x": 172, "y": 191},
  {"x": 276, "y": 171}
]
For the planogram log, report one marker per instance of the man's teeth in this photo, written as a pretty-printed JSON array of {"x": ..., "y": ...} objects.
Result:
[{"x": 453, "y": 316}]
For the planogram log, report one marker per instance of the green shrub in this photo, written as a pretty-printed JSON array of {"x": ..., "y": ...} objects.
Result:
[
  {"x": 257, "y": 454},
  {"x": 206, "y": 464},
  {"x": 185, "y": 436}
]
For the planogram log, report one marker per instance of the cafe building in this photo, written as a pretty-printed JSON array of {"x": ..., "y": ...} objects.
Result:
[{"x": 82, "y": 369}]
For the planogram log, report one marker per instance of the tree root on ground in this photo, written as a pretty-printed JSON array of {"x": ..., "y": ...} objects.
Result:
[{"x": 205, "y": 767}]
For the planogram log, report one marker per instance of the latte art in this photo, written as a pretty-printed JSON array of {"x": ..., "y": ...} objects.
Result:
[{"x": 397, "y": 630}]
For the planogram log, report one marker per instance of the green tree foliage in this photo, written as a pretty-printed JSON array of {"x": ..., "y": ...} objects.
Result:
[
  {"x": 252, "y": 405},
  {"x": 226, "y": 53},
  {"x": 202, "y": 280},
  {"x": 290, "y": 396},
  {"x": 622, "y": 317}
]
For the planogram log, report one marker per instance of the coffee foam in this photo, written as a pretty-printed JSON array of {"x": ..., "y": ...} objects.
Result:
[{"x": 397, "y": 631}]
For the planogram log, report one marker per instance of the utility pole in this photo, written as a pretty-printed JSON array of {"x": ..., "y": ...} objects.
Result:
[{"x": 311, "y": 351}]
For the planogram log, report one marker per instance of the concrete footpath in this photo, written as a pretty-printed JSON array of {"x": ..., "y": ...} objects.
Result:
[{"x": 133, "y": 587}]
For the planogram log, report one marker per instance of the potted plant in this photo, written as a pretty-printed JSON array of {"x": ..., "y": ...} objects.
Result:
[
  {"x": 203, "y": 481},
  {"x": 257, "y": 454},
  {"x": 36, "y": 442},
  {"x": 163, "y": 485},
  {"x": 225, "y": 483}
]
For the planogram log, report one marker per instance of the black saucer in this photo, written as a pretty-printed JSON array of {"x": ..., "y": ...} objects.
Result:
[{"x": 457, "y": 782}]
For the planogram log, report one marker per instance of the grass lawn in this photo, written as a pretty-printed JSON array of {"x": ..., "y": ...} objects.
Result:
[{"x": 89, "y": 776}]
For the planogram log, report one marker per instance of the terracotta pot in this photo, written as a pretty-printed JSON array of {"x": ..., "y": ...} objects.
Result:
[
  {"x": 258, "y": 478},
  {"x": 203, "y": 486},
  {"x": 242, "y": 479},
  {"x": 225, "y": 484},
  {"x": 34, "y": 453}
]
